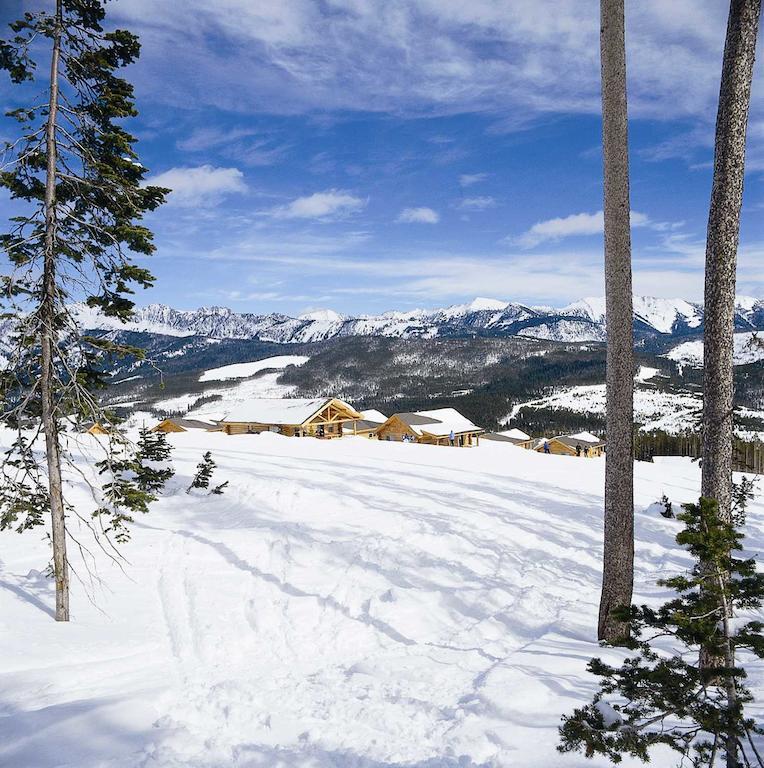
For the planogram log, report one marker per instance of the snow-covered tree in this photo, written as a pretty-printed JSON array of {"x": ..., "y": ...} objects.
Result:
[
  {"x": 78, "y": 191},
  {"x": 664, "y": 695},
  {"x": 154, "y": 468},
  {"x": 135, "y": 476}
]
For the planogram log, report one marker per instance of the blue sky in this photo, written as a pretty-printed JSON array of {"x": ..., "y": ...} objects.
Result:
[{"x": 367, "y": 155}]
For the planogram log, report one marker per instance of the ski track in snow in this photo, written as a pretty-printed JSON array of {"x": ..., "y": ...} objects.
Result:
[{"x": 345, "y": 604}]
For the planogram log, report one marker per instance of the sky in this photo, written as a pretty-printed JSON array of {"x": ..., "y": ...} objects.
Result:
[{"x": 368, "y": 155}]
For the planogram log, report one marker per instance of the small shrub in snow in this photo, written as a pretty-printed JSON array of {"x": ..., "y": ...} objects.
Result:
[
  {"x": 203, "y": 476},
  {"x": 663, "y": 695}
]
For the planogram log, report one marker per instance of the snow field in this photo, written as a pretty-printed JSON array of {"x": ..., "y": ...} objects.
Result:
[
  {"x": 672, "y": 412},
  {"x": 749, "y": 348},
  {"x": 239, "y": 392},
  {"x": 347, "y": 603},
  {"x": 243, "y": 370}
]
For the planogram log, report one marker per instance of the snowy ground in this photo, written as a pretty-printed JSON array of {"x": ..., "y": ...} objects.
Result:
[
  {"x": 346, "y": 604},
  {"x": 749, "y": 348}
]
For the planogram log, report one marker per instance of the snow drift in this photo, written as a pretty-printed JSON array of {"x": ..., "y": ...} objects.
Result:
[{"x": 346, "y": 604}]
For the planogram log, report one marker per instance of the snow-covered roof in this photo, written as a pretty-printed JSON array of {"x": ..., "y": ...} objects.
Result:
[
  {"x": 515, "y": 434},
  {"x": 572, "y": 441},
  {"x": 273, "y": 410},
  {"x": 370, "y": 420},
  {"x": 191, "y": 423},
  {"x": 439, "y": 422},
  {"x": 586, "y": 437},
  {"x": 373, "y": 415}
]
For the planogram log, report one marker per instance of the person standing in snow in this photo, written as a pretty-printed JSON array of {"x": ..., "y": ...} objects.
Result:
[
  {"x": 451, "y": 437},
  {"x": 546, "y": 446},
  {"x": 586, "y": 452},
  {"x": 578, "y": 449}
]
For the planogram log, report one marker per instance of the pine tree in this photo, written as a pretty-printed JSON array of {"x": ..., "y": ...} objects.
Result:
[
  {"x": 79, "y": 190},
  {"x": 203, "y": 476},
  {"x": 664, "y": 695},
  {"x": 618, "y": 555},
  {"x": 153, "y": 468},
  {"x": 137, "y": 473}
]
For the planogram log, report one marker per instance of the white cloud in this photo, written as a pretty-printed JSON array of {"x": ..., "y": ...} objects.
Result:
[
  {"x": 418, "y": 216},
  {"x": 468, "y": 179},
  {"x": 245, "y": 145},
  {"x": 577, "y": 224},
  {"x": 477, "y": 203},
  {"x": 427, "y": 56},
  {"x": 201, "y": 185},
  {"x": 332, "y": 203}
]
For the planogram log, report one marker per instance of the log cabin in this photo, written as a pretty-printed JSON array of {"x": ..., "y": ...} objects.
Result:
[
  {"x": 184, "y": 425},
  {"x": 512, "y": 436},
  {"x": 323, "y": 417},
  {"x": 565, "y": 445},
  {"x": 431, "y": 428},
  {"x": 94, "y": 428},
  {"x": 368, "y": 424}
]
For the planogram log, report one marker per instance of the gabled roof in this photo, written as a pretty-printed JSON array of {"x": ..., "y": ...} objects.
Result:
[
  {"x": 190, "y": 423},
  {"x": 515, "y": 434},
  {"x": 573, "y": 440},
  {"x": 374, "y": 416},
  {"x": 282, "y": 411},
  {"x": 585, "y": 437},
  {"x": 500, "y": 437},
  {"x": 439, "y": 422}
]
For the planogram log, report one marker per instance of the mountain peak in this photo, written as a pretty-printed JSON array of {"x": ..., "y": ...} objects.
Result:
[
  {"x": 481, "y": 304},
  {"x": 322, "y": 316},
  {"x": 581, "y": 321}
]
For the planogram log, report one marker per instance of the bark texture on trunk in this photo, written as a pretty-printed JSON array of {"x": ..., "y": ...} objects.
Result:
[
  {"x": 618, "y": 561},
  {"x": 48, "y": 340},
  {"x": 721, "y": 250}
]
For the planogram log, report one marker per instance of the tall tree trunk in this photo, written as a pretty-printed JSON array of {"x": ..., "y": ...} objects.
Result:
[
  {"x": 721, "y": 265},
  {"x": 721, "y": 251},
  {"x": 618, "y": 561},
  {"x": 48, "y": 341}
]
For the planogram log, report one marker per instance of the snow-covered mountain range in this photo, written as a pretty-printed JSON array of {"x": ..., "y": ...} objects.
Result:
[{"x": 583, "y": 320}]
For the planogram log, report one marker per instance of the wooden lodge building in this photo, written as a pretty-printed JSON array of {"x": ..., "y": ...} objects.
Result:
[
  {"x": 566, "y": 445},
  {"x": 94, "y": 428},
  {"x": 184, "y": 425},
  {"x": 322, "y": 417},
  {"x": 512, "y": 436},
  {"x": 432, "y": 428},
  {"x": 367, "y": 425}
]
